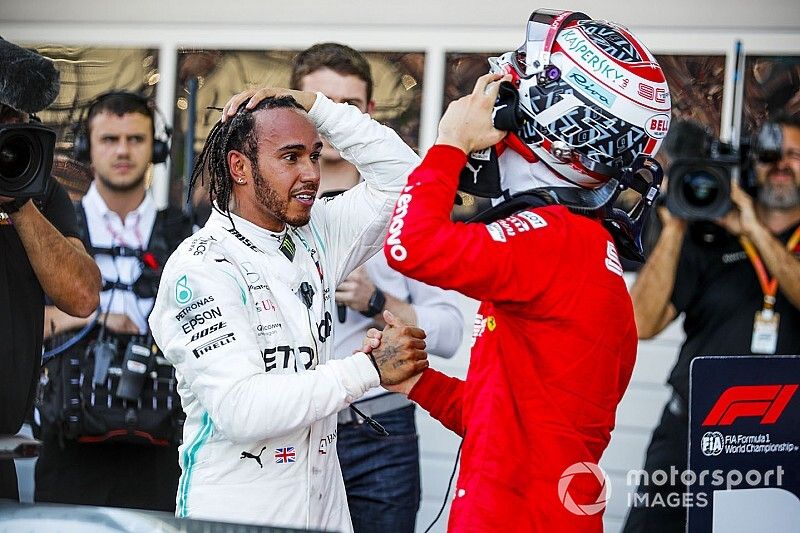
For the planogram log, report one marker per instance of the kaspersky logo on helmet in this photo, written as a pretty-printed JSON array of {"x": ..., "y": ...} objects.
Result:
[{"x": 584, "y": 469}]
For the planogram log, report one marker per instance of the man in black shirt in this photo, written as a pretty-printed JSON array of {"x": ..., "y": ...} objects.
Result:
[
  {"x": 714, "y": 282},
  {"x": 39, "y": 255}
]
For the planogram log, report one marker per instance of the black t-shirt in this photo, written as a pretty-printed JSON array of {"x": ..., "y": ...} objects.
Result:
[
  {"x": 718, "y": 289},
  {"x": 22, "y": 310}
]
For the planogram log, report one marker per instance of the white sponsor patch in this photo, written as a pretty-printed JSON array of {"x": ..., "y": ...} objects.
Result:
[
  {"x": 535, "y": 220},
  {"x": 612, "y": 259},
  {"x": 657, "y": 126},
  {"x": 496, "y": 232},
  {"x": 478, "y": 327},
  {"x": 482, "y": 155}
]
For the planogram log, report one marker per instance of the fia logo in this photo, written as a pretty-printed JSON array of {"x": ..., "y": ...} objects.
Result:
[
  {"x": 711, "y": 443},
  {"x": 182, "y": 291}
]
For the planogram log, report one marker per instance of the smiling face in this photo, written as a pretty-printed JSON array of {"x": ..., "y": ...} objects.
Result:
[
  {"x": 779, "y": 182},
  {"x": 281, "y": 186}
]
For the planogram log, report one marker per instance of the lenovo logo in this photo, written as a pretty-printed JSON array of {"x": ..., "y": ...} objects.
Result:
[{"x": 766, "y": 401}]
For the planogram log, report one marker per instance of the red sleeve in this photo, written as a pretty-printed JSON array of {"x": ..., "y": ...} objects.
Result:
[
  {"x": 441, "y": 396},
  {"x": 512, "y": 259}
]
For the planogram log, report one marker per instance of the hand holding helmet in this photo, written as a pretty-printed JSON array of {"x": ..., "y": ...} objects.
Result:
[
  {"x": 591, "y": 107},
  {"x": 467, "y": 123}
]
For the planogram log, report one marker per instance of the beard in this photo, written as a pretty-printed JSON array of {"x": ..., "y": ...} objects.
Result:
[
  {"x": 279, "y": 208},
  {"x": 779, "y": 197},
  {"x": 122, "y": 187}
]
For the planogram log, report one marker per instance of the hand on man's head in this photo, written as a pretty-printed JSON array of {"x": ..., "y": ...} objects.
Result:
[{"x": 254, "y": 96}]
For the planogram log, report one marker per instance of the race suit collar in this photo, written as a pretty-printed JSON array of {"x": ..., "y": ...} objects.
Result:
[{"x": 262, "y": 238}]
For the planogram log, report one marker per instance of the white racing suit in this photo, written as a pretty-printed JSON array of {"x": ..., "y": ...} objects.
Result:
[{"x": 251, "y": 343}]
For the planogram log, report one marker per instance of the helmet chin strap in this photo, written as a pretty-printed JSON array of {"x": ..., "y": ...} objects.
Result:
[{"x": 527, "y": 185}]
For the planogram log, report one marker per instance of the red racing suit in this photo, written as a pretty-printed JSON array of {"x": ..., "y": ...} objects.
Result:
[{"x": 554, "y": 344}]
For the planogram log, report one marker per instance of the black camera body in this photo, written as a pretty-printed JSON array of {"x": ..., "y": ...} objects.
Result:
[
  {"x": 700, "y": 187},
  {"x": 26, "y": 159}
]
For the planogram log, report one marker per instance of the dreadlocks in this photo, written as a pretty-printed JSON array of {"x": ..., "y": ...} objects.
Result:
[{"x": 237, "y": 133}]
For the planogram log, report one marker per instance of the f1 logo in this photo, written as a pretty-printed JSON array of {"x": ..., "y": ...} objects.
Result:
[{"x": 766, "y": 401}]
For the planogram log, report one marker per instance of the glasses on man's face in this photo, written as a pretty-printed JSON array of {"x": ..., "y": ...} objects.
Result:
[{"x": 791, "y": 155}]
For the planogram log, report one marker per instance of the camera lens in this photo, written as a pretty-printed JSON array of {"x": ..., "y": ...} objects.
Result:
[
  {"x": 16, "y": 154},
  {"x": 701, "y": 189},
  {"x": 26, "y": 158}
]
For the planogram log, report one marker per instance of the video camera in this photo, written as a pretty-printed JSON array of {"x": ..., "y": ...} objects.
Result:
[
  {"x": 700, "y": 187},
  {"x": 26, "y": 159}
]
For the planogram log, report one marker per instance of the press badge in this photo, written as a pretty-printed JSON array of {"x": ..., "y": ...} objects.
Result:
[{"x": 765, "y": 332}]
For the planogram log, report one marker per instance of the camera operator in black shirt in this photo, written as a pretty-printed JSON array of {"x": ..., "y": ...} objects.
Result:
[
  {"x": 39, "y": 252},
  {"x": 739, "y": 288}
]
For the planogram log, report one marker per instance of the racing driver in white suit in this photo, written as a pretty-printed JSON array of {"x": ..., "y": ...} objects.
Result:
[{"x": 244, "y": 310}]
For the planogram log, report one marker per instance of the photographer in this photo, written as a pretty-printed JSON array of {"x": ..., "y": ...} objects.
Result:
[
  {"x": 39, "y": 252},
  {"x": 119, "y": 447},
  {"x": 739, "y": 287}
]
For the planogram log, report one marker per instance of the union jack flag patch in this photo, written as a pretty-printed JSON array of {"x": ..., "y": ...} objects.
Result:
[{"x": 285, "y": 455}]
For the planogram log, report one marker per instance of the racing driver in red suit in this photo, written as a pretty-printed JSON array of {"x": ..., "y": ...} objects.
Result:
[{"x": 554, "y": 340}]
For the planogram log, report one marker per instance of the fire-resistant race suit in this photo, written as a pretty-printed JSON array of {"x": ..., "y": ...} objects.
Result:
[
  {"x": 554, "y": 344},
  {"x": 244, "y": 314}
]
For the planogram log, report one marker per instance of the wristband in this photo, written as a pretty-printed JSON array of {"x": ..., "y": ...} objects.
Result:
[
  {"x": 375, "y": 364},
  {"x": 376, "y": 304}
]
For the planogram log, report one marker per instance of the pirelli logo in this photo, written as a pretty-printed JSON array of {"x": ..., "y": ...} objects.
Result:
[{"x": 213, "y": 344}]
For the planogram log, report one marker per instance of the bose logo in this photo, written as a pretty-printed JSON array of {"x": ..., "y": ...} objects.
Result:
[
  {"x": 766, "y": 401},
  {"x": 397, "y": 250}
]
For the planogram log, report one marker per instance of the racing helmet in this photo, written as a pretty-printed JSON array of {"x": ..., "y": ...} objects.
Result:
[{"x": 587, "y": 108}]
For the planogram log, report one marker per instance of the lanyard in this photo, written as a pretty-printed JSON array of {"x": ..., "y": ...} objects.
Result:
[
  {"x": 768, "y": 286},
  {"x": 117, "y": 238}
]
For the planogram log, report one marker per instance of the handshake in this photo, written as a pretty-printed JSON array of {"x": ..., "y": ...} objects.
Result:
[{"x": 398, "y": 353}]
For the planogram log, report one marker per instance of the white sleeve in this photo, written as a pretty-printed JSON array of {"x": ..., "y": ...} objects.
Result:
[
  {"x": 353, "y": 224},
  {"x": 224, "y": 370},
  {"x": 438, "y": 314}
]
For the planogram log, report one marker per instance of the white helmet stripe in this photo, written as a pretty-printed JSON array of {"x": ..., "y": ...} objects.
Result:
[{"x": 562, "y": 107}]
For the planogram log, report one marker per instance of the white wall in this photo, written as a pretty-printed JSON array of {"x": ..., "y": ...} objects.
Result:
[
  {"x": 721, "y": 14},
  {"x": 677, "y": 26}
]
